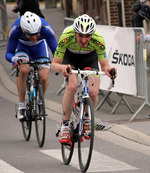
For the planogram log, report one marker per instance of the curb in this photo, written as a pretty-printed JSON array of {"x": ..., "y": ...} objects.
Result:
[{"x": 130, "y": 134}]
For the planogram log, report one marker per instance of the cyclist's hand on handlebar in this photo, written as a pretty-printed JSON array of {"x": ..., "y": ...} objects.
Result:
[
  {"x": 66, "y": 69},
  {"x": 14, "y": 62},
  {"x": 111, "y": 72},
  {"x": 18, "y": 62}
]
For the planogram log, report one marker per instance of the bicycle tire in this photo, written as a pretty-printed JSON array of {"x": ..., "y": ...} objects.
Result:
[
  {"x": 40, "y": 120},
  {"x": 27, "y": 122},
  {"x": 67, "y": 149},
  {"x": 85, "y": 145}
]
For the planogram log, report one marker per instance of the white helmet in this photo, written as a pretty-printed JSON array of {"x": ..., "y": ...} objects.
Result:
[
  {"x": 30, "y": 23},
  {"x": 84, "y": 25}
]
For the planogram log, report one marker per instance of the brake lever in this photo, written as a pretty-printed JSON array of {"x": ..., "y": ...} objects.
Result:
[
  {"x": 67, "y": 78},
  {"x": 112, "y": 73},
  {"x": 19, "y": 61},
  {"x": 17, "y": 70}
]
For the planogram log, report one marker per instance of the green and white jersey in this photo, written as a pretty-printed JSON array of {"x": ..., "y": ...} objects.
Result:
[{"x": 68, "y": 40}]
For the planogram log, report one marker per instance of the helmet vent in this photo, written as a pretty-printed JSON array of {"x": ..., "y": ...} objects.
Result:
[
  {"x": 30, "y": 23},
  {"x": 84, "y": 24},
  {"x": 87, "y": 27}
]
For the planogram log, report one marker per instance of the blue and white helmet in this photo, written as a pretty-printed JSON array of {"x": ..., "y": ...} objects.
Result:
[
  {"x": 30, "y": 23},
  {"x": 84, "y": 24}
]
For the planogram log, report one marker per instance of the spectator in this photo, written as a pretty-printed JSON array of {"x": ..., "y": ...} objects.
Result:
[
  {"x": 142, "y": 11},
  {"x": 27, "y": 5}
]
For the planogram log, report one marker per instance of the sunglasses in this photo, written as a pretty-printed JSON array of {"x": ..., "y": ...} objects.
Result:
[{"x": 31, "y": 35}]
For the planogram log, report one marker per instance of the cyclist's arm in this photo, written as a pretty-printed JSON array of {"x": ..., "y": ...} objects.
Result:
[
  {"x": 106, "y": 67},
  {"x": 14, "y": 35},
  {"x": 58, "y": 67},
  {"x": 48, "y": 33}
]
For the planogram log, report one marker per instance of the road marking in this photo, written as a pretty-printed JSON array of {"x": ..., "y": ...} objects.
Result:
[
  {"x": 5, "y": 167},
  {"x": 99, "y": 162}
]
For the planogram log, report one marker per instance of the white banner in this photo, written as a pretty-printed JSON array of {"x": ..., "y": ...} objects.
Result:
[{"x": 120, "y": 49}]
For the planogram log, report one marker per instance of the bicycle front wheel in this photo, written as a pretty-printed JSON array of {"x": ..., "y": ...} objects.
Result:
[
  {"x": 27, "y": 122},
  {"x": 67, "y": 149},
  {"x": 86, "y": 140},
  {"x": 40, "y": 121}
]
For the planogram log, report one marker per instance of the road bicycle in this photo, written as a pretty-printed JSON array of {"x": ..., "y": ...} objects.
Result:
[
  {"x": 34, "y": 112},
  {"x": 82, "y": 105}
]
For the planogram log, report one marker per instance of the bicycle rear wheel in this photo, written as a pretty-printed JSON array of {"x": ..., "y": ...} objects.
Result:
[
  {"x": 27, "y": 122},
  {"x": 40, "y": 120},
  {"x": 67, "y": 149},
  {"x": 86, "y": 140}
]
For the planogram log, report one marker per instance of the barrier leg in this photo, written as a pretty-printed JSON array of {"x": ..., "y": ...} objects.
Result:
[
  {"x": 118, "y": 103},
  {"x": 116, "y": 106},
  {"x": 138, "y": 111},
  {"x": 108, "y": 100},
  {"x": 102, "y": 101}
]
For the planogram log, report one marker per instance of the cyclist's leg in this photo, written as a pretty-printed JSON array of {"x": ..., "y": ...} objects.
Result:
[
  {"x": 94, "y": 89},
  {"x": 22, "y": 53},
  {"x": 21, "y": 86},
  {"x": 68, "y": 98},
  {"x": 67, "y": 103},
  {"x": 43, "y": 73}
]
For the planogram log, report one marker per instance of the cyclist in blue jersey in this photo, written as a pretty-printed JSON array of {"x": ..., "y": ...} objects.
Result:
[
  {"x": 30, "y": 38},
  {"x": 79, "y": 46}
]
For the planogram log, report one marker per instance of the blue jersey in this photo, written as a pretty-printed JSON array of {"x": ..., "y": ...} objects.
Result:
[{"x": 18, "y": 40}]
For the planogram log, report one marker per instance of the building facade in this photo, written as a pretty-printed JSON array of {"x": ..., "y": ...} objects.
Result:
[{"x": 106, "y": 12}]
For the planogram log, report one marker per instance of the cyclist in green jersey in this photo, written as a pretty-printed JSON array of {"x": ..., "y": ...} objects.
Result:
[{"x": 80, "y": 46}]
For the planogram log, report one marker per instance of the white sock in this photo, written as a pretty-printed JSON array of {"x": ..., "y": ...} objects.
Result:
[{"x": 22, "y": 105}]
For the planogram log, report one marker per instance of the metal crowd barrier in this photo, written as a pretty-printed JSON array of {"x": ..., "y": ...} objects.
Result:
[
  {"x": 141, "y": 77},
  {"x": 141, "y": 71},
  {"x": 68, "y": 21}
]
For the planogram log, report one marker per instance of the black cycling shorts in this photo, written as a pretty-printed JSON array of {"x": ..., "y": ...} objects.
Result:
[{"x": 81, "y": 60}]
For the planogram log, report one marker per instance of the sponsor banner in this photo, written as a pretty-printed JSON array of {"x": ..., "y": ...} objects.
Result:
[{"x": 120, "y": 48}]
